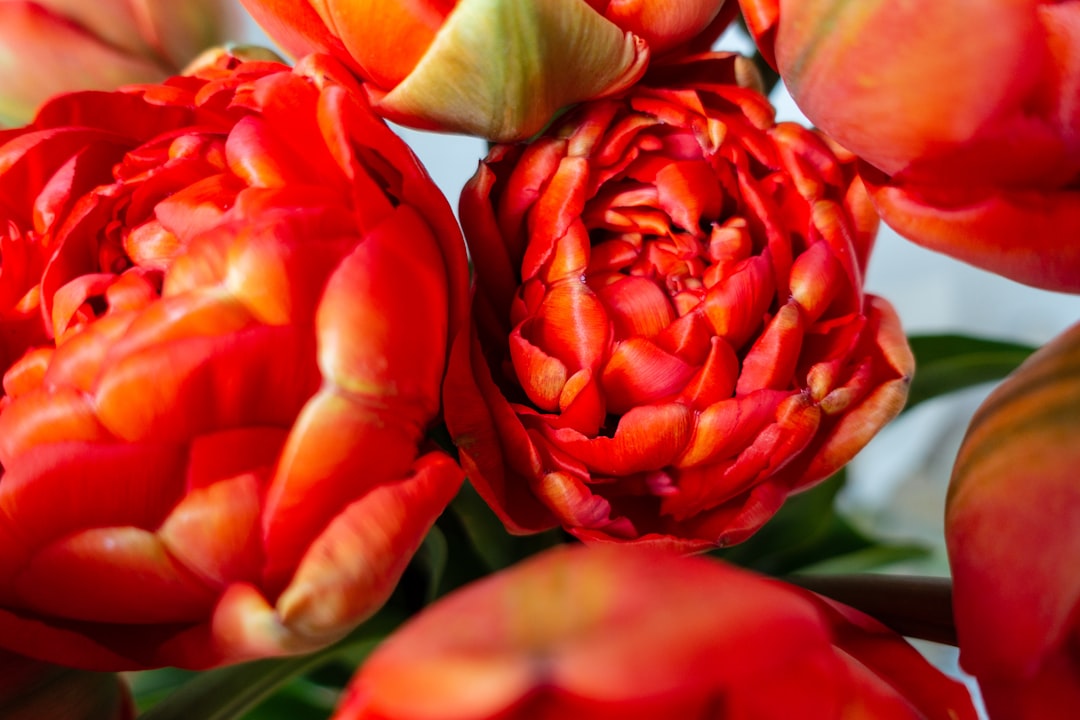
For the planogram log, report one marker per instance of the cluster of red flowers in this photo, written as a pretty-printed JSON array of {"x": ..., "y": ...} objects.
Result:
[{"x": 233, "y": 305}]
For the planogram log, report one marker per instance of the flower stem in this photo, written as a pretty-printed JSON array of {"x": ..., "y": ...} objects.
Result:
[{"x": 918, "y": 607}]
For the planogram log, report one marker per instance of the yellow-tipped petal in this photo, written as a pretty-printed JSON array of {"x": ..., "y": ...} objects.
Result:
[{"x": 502, "y": 69}]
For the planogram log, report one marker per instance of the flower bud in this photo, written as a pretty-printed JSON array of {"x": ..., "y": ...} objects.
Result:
[
  {"x": 606, "y": 633},
  {"x": 1012, "y": 527},
  {"x": 499, "y": 69}
]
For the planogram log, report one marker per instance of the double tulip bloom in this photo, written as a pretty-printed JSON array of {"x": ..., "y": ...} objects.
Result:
[
  {"x": 605, "y": 633},
  {"x": 53, "y": 46},
  {"x": 672, "y": 334},
  {"x": 965, "y": 113},
  {"x": 226, "y": 304},
  {"x": 498, "y": 69}
]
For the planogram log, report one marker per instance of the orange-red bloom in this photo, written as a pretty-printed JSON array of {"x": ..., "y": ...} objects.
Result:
[
  {"x": 605, "y": 633},
  {"x": 226, "y": 309},
  {"x": 52, "y": 46},
  {"x": 1012, "y": 525},
  {"x": 671, "y": 330},
  {"x": 966, "y": 110},
  {"x": 33, "y": 690},
  {"x": 499, "y": 69}
]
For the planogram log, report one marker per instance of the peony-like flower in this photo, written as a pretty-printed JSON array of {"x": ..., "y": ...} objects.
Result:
[
  {"x": 1012, "y": 527},
  {"x": 226, "y": 308},
  {"x": 49, "y": 47},
  {"x": 672, "y": 334},
  {"x": 965, "y": 112},
  {"x": 604, "y": 633},
  {"x": 498, "y": 69},
  {"x": 33, "y": 690}
]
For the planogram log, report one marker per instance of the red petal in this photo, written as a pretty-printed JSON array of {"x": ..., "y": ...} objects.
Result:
[
  {"x": 724, "y": 429},
  {"x": 982, "y": 228},
  {"x": 214, "y": 531},
  {"x": 353, "y": 566},
  {"x": 647, "y": 438},
  {"x": 112, "y": 575},
  {"x": 640, "y": 373},
  {"x": 737, "y": 304},
  {"x": 772, "y": 359},
  {"x": 716, "y": 379},
  {"x": 636, "y": 306}
]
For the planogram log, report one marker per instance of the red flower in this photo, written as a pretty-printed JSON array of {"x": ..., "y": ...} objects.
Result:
[
  {"x": 671, "y": 329},
  {"x": 966, "y": 110},
  {"x": 1012, "y": 526},
  {"x": 439, "y": 64},
  {"x": 607, "y": 633},
  {"x": 227, "y": 301},
  {"x": 52, "y": 46}
]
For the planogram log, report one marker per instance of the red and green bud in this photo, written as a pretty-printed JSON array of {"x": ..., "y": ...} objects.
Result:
[
  {"x": 1012, "y": 526},
  {"x": 432, "y": 64}
]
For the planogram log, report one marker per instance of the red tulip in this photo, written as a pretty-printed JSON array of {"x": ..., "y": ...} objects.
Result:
[
  {"x": 608, "y": 633},
  {"x": 966, "y": 110},
  {"x": 33, "y": 690},
  {"x": 52, "y": 46},
  {"x": 1012, "y": 527},
  {"x": 672, "y": 334},
  {"x": 498, "y": 69},
  {"x": 227, "y": 303}
]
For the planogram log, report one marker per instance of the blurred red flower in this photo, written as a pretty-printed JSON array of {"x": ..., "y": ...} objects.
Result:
[
  {"x": 52, "y": 46},
  {"x": 603, "y": 633},
  {"x": 965, "y": 110},
  {"x": 438, "y": 64},
  {"x": 671, "y": 331},
  {"x": 1012, "y": 526},
  {"x": 226, "y": 309}
]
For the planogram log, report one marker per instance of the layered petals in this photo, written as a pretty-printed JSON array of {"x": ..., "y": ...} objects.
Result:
[
  {"x": 241, "y": 319},
  {"x": 1012, "y": 519},
  {"x": 671, "y": 329},
  {"x": 970, "y": 138},
  {"x": 608, "y": 633},
  {"x": 428, "y": 64}
]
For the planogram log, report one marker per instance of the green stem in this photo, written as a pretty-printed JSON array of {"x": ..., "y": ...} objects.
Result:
[
  {"x": 919, "y": 607},
  {"x": 227, "y": 693}
]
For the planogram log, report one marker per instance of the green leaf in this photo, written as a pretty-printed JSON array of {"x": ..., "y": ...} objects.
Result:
[
  {"x": 867, "y": 559},
  {"x": 947, "y": 363},
  {"x": 488, "y": 537},
  {"x": 229, "y": 693},
  {"x": 432, "y": 557},
  {"x": 807, "y": 532}
]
